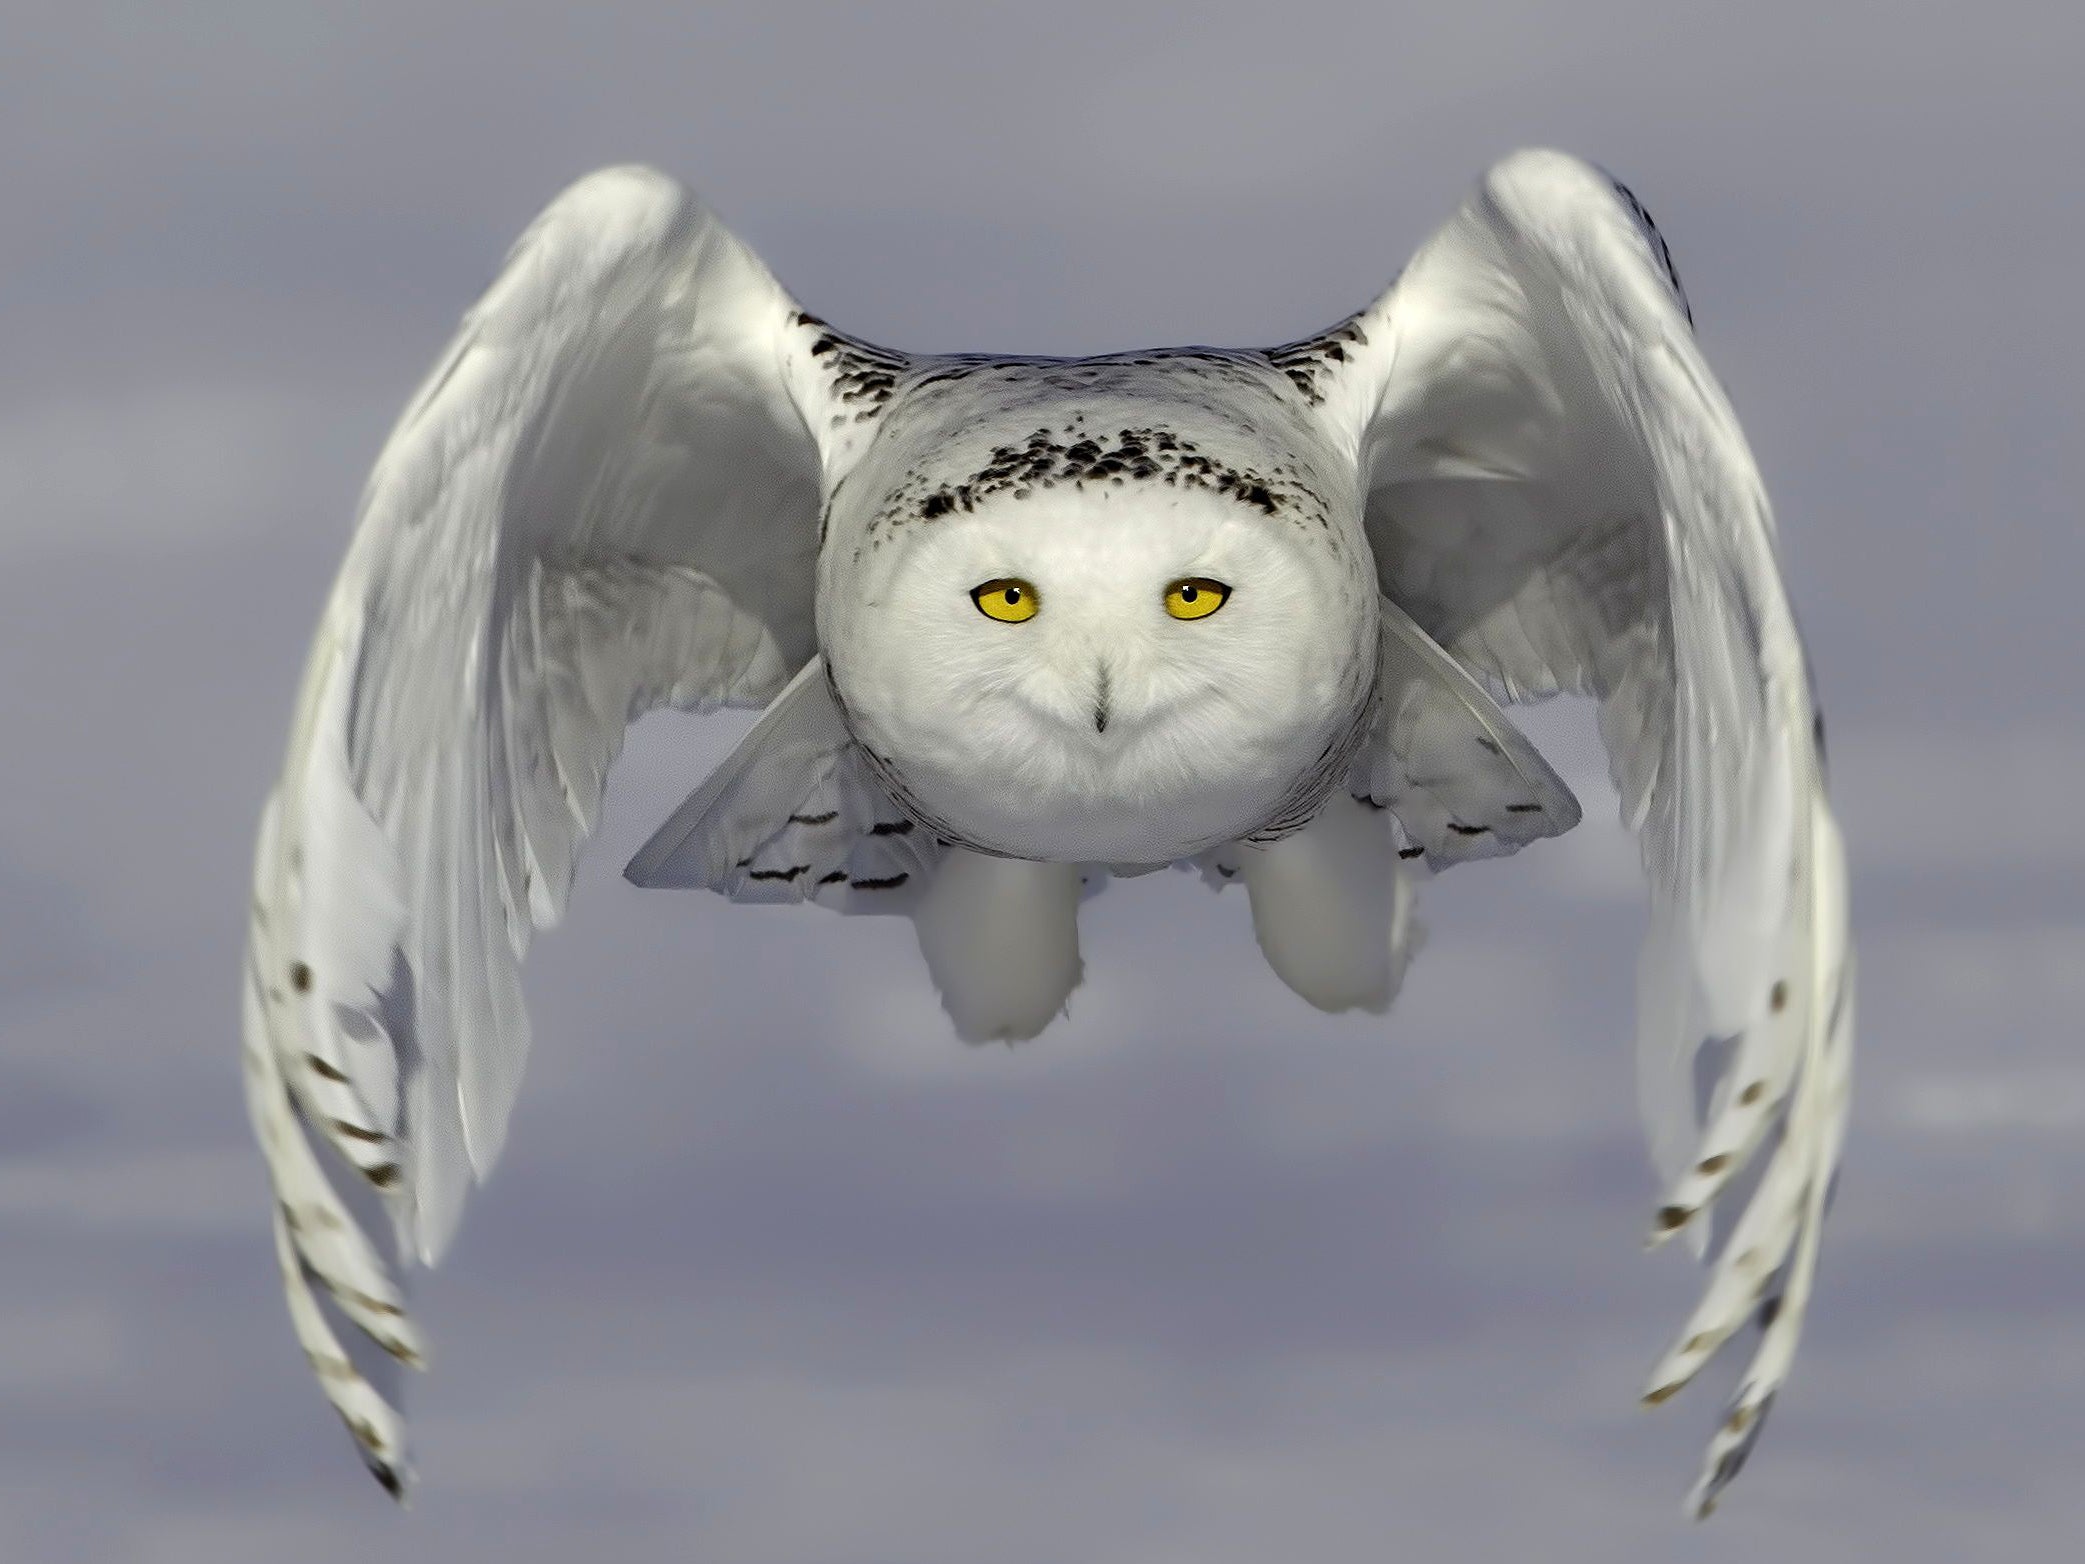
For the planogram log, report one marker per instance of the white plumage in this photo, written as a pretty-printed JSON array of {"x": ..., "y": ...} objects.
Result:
[{"x": 1021, "y": 622}]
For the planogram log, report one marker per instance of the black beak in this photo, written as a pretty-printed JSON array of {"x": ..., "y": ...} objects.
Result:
[{"x": 1100, "y": 702}]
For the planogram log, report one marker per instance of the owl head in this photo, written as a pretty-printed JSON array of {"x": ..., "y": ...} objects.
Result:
[{"x": 1098, "y": 628}]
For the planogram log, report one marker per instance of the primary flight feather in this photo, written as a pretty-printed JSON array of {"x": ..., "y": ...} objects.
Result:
[{"x": 1017, "y": 623}]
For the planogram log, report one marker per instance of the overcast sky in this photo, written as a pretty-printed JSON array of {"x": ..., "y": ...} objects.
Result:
[{"x": 775, "y": 1270}]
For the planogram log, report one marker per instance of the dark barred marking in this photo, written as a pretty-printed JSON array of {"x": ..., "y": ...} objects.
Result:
[
  {"x": 1045, "y": 461},
  {"x": 355, "y": 1297},
  {"x": 366, "y": 1435},
  {"x": 1732, "y": 1463},
  {"x": 1660, "y": 250},
  {"x": 383, "y": 1175},
  {"x": 784, "y": 875},
  {"x": 1303, "y": 361},
  {"x": 1523, "y": 809},
  {"x": 326, "y": 1068},
  {"x": 862, "y": 375},
  {"x": 890, "y": 884},
  {"x": 357, "y": 1132},
  {"x": 830, "y": 814},
  {"x": 1467, "y": 830},
  {"x": 300, "y": 977},
  {"x": 326, "y": 1366},
  {"x": 1672, "y": 1218},
  {"x": 834, "y": 878},
  {"x": 1410, "y": 852},
  {"x": 891, "y": 828}
]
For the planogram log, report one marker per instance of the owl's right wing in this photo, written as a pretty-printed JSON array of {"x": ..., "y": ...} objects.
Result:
[{"x": 605, "y": 498}]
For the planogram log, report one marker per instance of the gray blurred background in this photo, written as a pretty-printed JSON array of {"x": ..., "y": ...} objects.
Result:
[{"x": 775, "y": 1269}]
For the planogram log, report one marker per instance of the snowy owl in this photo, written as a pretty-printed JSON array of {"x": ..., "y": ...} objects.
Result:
[{"x": 1018, "y": 624}]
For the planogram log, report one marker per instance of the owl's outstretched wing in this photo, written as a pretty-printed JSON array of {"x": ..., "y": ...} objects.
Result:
[
  {"x": 1561, "y": 496},
  {"x": 605, "y": 498}
]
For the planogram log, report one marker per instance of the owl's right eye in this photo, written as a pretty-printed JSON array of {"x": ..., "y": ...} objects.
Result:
[{"x": 1007, "y": 600}]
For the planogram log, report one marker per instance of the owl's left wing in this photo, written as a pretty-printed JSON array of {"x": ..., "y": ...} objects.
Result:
[{"x": 1559, "y": 493}]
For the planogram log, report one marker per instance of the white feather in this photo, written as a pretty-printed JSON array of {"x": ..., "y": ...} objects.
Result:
[
  {"x": 1561, "y": 497},
  {"x": 1324, "y": 904},
  {"x": 1460, "y": 778},
  {"x": 604, "y": 498},
  {"x": 1001, "y": 941}
]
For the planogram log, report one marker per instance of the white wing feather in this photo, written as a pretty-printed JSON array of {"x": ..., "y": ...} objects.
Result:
[
  {"x": 793, "y": 814},
  {"x": 604, "y": 499},
  {"x": 1561, "y": 496}
]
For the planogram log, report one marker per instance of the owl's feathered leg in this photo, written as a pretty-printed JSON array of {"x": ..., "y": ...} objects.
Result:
[
  {"x": 1001, "y": 939},
  {"x": 1332, "y": 907}
]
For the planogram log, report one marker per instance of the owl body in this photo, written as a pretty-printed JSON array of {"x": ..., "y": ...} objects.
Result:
[
  {"x": 1101, "y": 727},
  {"x": 1015, "y": 624}
]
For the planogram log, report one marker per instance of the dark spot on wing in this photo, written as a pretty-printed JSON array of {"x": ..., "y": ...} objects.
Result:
[
  {"x": 888, "y": 884},
  {"x": 1306, "y": 362},
  {"x": 1660, "y": 250},
  {"x": 860, "y": 375}
]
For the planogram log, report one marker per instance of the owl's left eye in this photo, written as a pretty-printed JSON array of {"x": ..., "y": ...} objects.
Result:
[{"x": 1196, "y": 598}]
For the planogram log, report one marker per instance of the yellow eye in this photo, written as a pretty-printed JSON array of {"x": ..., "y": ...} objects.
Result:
[
  {"x": 1007, "y": 600},
  {"x": 1196, "y": 598}
]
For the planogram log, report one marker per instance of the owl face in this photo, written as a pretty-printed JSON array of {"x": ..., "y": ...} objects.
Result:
[{"x": 1103, "y": 672}]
